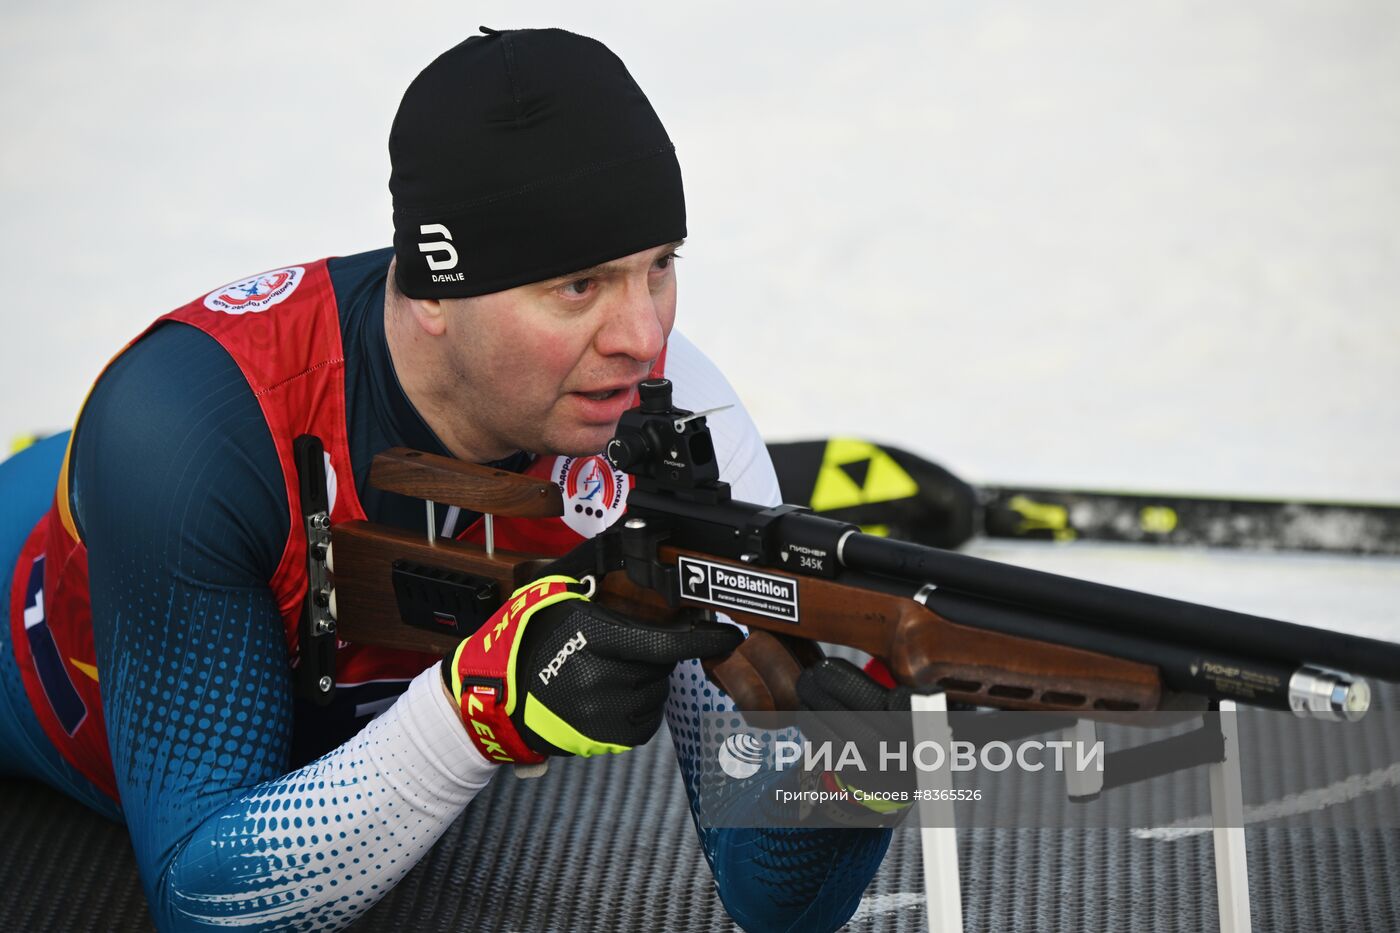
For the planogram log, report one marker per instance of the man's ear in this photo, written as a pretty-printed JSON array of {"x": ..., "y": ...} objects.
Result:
[{"x": 429, "y": 315}]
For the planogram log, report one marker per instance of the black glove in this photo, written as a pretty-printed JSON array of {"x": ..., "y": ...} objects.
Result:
[
  {"x": 836, "y": 686},
  {"x": 582, "y": 680}
]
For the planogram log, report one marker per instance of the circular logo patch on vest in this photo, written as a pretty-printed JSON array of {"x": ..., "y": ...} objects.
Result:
[
  {"x": 257, "y": 293},
  {"x": 595, "y": 493}
]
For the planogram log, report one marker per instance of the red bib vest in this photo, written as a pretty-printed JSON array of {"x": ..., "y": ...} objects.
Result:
[{"x": 282, "y": 328}]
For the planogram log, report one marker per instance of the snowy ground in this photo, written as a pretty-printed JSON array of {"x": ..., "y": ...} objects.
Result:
[{"x": 1151, "y": 245}]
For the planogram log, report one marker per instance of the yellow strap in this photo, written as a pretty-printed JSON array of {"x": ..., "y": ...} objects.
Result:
[
  {"x": 560, "y": 734},
  {"x": 457, "y": 671},
  {"x": 519, "y": 634},
  {"x": 524, "y": 620}
]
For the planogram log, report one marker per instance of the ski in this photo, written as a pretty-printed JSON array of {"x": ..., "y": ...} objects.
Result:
[
  {"x": 1064, "y": 514},
  {"x": 890, "y": 491}
]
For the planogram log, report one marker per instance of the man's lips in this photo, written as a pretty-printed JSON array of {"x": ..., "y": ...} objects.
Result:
[
  {"x": 603, "y": 391},
  {"x": 600, "y": 395},
  {"x": 605, "y": 404}
]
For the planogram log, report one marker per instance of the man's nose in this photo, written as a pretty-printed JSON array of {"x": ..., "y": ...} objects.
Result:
[{"x": 632, "y": 326}]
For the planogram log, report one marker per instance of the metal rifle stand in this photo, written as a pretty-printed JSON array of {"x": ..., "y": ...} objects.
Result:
[
  {"x": 1227, "y": 819},
  {"x": 1215, "y": 744},
  {"x": 1216, "y": 747},
  {"x": 938, "y": 832}
]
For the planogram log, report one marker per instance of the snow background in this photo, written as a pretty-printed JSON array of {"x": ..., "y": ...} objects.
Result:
[{"x": 1149, "y": 246}]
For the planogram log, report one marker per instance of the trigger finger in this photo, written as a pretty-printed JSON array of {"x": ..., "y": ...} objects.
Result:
[{"x": 618, "y": 638}]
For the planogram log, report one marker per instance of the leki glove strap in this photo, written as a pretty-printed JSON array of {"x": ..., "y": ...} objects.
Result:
[{"x": 481, "y": 673}]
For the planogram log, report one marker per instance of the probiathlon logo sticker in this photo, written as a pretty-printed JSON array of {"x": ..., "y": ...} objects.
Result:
[
  {"x": 595, "y": 492},
  {"x": 257, "y": 293},
  {"x": 739, "y": 588}
]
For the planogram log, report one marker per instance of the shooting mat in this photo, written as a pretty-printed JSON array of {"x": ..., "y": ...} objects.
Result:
[{"x": 607, "y": 845}]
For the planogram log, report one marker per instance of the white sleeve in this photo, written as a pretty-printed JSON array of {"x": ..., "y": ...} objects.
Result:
[{"x": 317, "y": 847}]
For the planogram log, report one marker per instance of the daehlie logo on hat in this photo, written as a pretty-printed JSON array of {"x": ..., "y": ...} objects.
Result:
[{"x": 440, "y": 266}]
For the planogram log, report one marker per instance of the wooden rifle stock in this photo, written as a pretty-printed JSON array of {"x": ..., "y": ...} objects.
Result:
[
  {"x": 432, "y": 478},
  {"x": 922, "y": 649}
]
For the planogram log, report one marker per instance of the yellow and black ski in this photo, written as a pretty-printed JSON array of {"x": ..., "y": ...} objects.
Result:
[{"x": 893, "y": 492}]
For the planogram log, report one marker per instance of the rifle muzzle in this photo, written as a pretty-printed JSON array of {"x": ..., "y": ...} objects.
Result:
[{"x": 1325, "y": 694}]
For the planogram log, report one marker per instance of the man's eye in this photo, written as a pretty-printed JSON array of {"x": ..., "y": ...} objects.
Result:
[
  {"x": 578, "y": 287},
  {"x": 665, "y": 262}
]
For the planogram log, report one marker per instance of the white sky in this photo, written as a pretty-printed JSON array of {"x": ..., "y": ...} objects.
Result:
[{"x": 1151, "y": 245}]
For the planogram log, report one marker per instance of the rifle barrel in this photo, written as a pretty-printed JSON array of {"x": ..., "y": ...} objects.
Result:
[{"x": 1114, "y": 608}]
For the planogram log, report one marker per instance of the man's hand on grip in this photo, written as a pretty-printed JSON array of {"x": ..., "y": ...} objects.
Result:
[
  {"x": 552, "y": 673},
  {"x": 835, "y": 684}
]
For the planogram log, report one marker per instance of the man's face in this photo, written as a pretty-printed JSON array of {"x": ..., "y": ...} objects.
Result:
[{"x": 550, "y": 367}]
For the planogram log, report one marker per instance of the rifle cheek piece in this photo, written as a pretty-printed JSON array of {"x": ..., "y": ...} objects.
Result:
[{"x": 1326, "y": 694}]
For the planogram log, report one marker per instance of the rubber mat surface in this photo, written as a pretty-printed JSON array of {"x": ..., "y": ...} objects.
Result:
[{"x": 607, "y": 845}]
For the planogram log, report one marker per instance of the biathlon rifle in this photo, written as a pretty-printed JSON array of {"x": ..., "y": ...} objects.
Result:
[{"x": 983, "y": 632}]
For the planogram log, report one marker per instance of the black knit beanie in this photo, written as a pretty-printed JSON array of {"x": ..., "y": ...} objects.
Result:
[{"x": 523, "y": 155}]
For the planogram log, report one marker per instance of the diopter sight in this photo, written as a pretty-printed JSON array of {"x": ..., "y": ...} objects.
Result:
[{"x": 667, "y": 448}]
